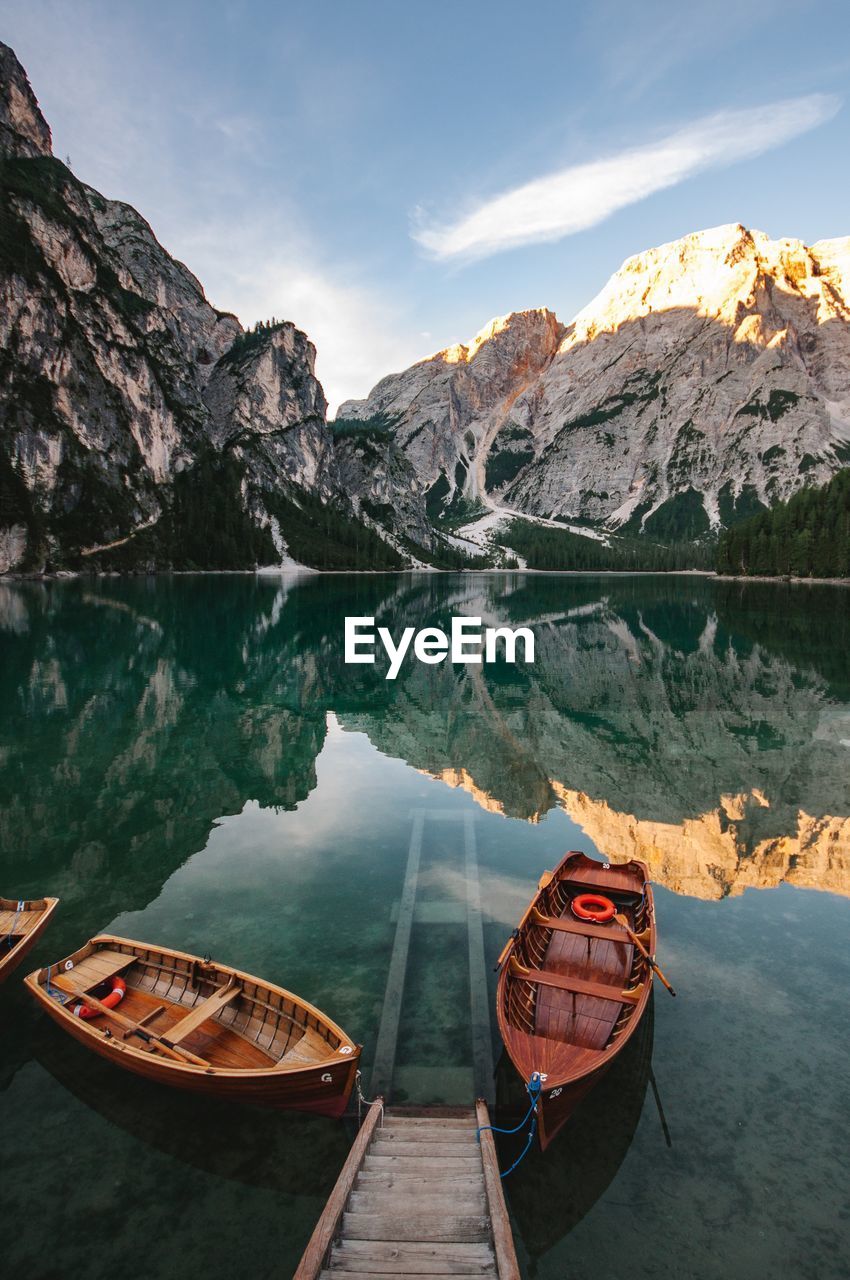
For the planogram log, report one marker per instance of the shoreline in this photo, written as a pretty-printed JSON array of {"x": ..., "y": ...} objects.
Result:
[{"x": 297, "y": 571}]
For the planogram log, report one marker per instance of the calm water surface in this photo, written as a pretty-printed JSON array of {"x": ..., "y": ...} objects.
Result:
[{"x": 189, "y": 761}]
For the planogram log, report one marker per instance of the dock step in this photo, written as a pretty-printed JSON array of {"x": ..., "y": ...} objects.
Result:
[{"x": 418, "y": 1196}]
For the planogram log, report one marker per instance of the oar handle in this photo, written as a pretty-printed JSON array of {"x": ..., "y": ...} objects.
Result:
[
  {"x": 132, "y": 1028},
  {"x": 624, "y": 924}
]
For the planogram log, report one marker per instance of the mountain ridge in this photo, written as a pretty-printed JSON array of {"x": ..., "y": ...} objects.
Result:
[
  {"x": 140, "y": 426},
  {"x": 627, "y": 414}
]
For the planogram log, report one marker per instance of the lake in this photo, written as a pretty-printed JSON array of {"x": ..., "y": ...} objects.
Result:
[{"x": 188, "y": 760}]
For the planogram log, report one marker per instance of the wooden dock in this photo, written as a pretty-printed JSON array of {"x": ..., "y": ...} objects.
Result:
[{"x": 418, "y": 1196}]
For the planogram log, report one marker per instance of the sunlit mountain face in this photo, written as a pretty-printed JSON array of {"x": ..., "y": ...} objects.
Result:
[{"x": 705, "y": 729}]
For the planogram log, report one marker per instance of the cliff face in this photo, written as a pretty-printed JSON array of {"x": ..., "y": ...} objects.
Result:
[
  {"x": 23, "y": 129},
  {"x": 710, "y": 375},
  {"x": 120, "y": 384},
  {"x": 447, "y": 411}
]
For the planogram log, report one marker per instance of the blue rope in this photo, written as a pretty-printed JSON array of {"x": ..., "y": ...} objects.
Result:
[
  {"x": 51, "y": 991},
  {"x": 533, "y": 1089},
  {"x": 18, "y": 909}
]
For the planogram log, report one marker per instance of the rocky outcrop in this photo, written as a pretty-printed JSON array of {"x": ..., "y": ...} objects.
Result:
[
  {"x": 136, "y": 420},
  {"x": 710, "y": 376},
  {"x": 23, "y": 129},
  {"x": 449, "y": 412}
]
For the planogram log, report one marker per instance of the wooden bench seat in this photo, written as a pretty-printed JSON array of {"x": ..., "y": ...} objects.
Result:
[
  {"x": 584, "y": 929},
  {"x": 99, "y": 967},
  {"x": 201, "y": 1012},
  {"x": 18, "y": 922},
  {"x": 577, "y": 986}
]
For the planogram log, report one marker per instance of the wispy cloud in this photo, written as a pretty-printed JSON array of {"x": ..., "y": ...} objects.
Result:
[
  {"x": 270, "y": 269},
  {"x": 583, "y": 195}
]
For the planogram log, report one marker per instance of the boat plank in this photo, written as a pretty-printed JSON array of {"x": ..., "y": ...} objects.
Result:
[
  {"x": 319, "y": 1243},
  {"x": 372, "y": 1274},
  {"x": 201, "y": 1012},
  {"x": 503, "y": 1241}
]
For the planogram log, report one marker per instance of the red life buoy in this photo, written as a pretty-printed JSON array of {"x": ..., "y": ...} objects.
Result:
[
  {"x": 116, "y": 995},
  {"x": 593, "y": 906}
]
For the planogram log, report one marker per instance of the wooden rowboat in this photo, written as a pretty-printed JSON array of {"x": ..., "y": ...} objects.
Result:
[
  {"x": 571, "y": 992},
  {"x": 199, "y": 1025},
  {"x": 21, "y": 924}
]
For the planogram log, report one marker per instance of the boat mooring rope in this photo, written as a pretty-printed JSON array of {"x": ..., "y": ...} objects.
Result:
[
  {"x": 533, "y": 1088},
  {"x": 51, "y": 991},
  {"x": 10, "y": 935},
  {"x": 363, "y": 1101}
]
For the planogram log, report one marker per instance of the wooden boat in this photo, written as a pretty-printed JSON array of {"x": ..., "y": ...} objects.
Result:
[
  {"x": 199, "y": 1025},
  {"x": 577, "y": 1170},
  {"x": 21, "y": 924},
  {"x": 572, "y": 992}
]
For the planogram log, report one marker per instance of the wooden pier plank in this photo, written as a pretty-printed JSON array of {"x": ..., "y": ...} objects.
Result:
[
  {"x": 413, "y": 1225},
  {"x": 427, "y": 1212},
  {"x": 461, "y": 1259}
]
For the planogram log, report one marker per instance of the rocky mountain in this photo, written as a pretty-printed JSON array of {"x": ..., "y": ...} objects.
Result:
[
  {"x": 709, "y": 378},
  {"x": 140, "y": 426}
]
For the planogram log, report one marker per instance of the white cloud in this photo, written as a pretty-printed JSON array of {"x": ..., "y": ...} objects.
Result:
[
  {"x": 583, "y": 195},
  {"x": 258, "y": 272}
]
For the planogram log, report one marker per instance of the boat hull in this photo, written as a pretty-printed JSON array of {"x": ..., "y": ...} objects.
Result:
[
  {"x": 11, "y": 957},
  {"x": 322, "y": 1087},
  {"x": 575, "y": 1029},
  {"x": 320, "y": 1090}
]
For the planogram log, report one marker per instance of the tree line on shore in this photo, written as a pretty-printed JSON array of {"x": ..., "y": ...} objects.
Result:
[{"x": 806, "y": 537}]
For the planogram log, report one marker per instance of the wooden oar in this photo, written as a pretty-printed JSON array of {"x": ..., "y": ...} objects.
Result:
[
  {"x": 92, "y": 1002},
  {"x": 624, "y": 924}
]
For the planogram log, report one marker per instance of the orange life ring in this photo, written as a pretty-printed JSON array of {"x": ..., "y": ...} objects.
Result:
[
  {"x": 116, "y": 995},
  {"x": 593, "y": 906}
]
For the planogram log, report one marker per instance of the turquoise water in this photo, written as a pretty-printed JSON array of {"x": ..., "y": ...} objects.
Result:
[{"x": 190, "y": 761}]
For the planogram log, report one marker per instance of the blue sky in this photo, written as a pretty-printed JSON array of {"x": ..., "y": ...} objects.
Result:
[{"x": 392, "y": 175}]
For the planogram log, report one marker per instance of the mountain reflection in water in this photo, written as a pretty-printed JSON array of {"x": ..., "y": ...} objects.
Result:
[
  {"x": 189, "y": 760},
  {"x": 701, "y": 726}
]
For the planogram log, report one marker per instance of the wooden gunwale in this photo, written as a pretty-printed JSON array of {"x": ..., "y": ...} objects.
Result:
[{"x": 147, "y": 957}]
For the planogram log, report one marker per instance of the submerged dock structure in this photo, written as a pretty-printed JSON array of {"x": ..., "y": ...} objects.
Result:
[{"x": 418, "y": 1196}]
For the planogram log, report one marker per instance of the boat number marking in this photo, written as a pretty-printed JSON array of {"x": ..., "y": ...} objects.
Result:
[
  {"x": 69, "y": 964},
  {"x": 327, "y": 1078},
  {"x": 555, "y": 1093},
  {"x": 346, "y": 1048}
]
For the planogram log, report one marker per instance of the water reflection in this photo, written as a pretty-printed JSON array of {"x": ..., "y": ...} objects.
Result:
[
  {"x": 190, "y": 760},
  {"x": 703, "y": 727}
]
